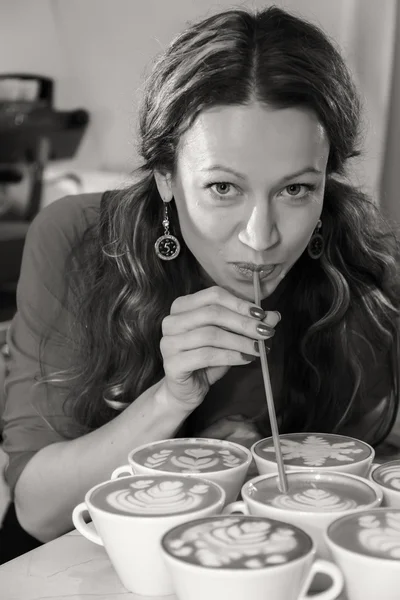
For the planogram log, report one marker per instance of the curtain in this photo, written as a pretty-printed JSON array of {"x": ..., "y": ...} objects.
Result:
[
  {"x": 391, "y": 164},
  {"x": 365, "y": 31}
]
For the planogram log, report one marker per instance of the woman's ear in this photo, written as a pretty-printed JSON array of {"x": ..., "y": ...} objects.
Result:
[{"x": 164, "y": 185}]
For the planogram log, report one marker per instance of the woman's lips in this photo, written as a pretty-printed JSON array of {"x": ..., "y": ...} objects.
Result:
[{"x": 248, "y": 273}]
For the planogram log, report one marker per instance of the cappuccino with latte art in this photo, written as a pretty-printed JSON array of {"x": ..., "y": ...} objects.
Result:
[
  {"x": 222, "y": 461},
  {"x": 245, "y": 558},
  {"x": 130, "y": 515},
  {"x": 325, "y": 451},
  {"x": 314, "y": 499},
  {"x": 236, "y": 542},
  {"x": 154, "y": 496},
  {"x": 317, "y": 495},
  {"x": 387, "y": 476},
  {"x": 366, "y": 547},
  {"x": 189, "y": 455}
]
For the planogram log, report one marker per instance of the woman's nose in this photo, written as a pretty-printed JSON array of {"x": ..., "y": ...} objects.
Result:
[{"x": 260, "y": 231}]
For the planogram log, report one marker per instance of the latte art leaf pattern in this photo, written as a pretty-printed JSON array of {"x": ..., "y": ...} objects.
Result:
[
  {"x": 313, "y": 499},
  {"x": 314, "y": 451},
  {"x": 149, "y": 497},
  {"x": 229, "y": 459},
  {"x": 219, "y": 543},
  {"x": 390, "y": 476},
  {"x": 157, "y": 459},
  {"x": 140, "y": 484},
  {"x": 381, "y": 535}
]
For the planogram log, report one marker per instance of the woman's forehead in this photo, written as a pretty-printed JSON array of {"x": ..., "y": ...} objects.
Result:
[{"x": 253, "y": 135}]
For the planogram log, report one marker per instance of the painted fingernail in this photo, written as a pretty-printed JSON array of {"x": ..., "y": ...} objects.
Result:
[
  {"x": 279, "y": 315},
  {"x": 265, "y": 330},
  {"x": 257, "y": 312}
]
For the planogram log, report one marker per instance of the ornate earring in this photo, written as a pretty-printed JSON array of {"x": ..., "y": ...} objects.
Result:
[
  {"x": 316, "y": 244},
  {"x": 167, "y": 246}
]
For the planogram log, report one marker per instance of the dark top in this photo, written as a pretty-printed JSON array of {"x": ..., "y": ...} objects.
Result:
[{"x": 32, "y": 414}]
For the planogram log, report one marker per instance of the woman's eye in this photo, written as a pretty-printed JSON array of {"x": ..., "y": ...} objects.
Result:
[
  {"x": 299, "y": 190},
  {"x": 222, "y": 188}
]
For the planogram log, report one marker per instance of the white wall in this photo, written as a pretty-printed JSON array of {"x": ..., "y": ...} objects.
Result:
[
  {"x": 99, "y": 50},
  {"x": 111, "y": 45}
]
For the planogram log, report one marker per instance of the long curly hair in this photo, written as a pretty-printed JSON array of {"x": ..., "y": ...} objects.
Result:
[{"x": 120, "y": 291}]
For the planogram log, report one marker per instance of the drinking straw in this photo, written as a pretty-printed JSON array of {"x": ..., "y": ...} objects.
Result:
[{"x": 282, "y": 480}]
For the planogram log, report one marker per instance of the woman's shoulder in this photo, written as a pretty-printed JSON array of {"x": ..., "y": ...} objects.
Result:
[
  {"x": 61, "y": 224},
  {"x": 53, "y": 234},
  {"x": 70, "y": 212}
]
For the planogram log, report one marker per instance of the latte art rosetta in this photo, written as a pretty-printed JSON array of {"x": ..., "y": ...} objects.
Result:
[
  {"x": 390, "y": 476},
  {"x": 147, "y": 497},
  {"x": 313, "y": 499},
  {"x": 381, "y": 535}
]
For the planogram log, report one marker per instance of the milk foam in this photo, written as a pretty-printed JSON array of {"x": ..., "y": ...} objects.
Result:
[
  {"x": 381, "y": 535},
  {"x": 315, "y": 450},
  {"x": 313, "y": 492},
  {"x": 237, "y": 542},
  {"x": 373, "y": 533},
  {"x": 389, "y": 476},
  {"x": 149, "y": 496},
  {"x": 314, "y": 499},
  {"x": 189, "y": 457}
]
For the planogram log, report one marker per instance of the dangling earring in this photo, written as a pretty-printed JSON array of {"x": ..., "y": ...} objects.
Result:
[
  {"x": 316, "y": 245},
  {"x": 167, "y": 246}
]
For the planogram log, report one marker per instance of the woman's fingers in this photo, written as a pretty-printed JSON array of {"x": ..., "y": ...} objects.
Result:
[
  {"x": 205, "y": 334},
  {"x": 209, "y": 336},
  {"x": 180, "y": 366},
  {"x": 219, "y": 296},
  {"x": 224, "y": 317}
]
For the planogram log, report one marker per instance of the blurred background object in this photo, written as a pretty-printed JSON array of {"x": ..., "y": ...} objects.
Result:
[{"x": 32, "y": 133}]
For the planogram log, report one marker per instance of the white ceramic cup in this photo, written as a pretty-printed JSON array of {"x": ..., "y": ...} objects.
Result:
[
  {"x": 324, "y": 451},
  {"x": 366, "y": 547},
  {"x": 387, "y": 476},
  {"x": 221, "y": 461},
  {"x": 315, "y": 499},
  {"x": 130, "y": 516},
  {"x": 245, "y": 558}
]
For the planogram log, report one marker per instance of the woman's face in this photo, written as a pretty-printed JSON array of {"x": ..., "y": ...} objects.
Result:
[{"x": 248, "y": 187}]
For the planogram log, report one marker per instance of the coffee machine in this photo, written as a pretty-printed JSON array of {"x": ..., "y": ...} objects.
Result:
[{"x": 32, "y": 133}]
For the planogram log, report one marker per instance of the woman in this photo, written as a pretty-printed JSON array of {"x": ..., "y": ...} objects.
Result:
[{"x": 246, "y": 126}]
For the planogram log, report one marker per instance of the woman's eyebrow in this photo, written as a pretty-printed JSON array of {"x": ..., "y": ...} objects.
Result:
[{"x": 307, "y": 170}]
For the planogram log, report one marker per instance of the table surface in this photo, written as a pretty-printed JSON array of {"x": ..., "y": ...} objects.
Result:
[{"x": 69, "y": 567}]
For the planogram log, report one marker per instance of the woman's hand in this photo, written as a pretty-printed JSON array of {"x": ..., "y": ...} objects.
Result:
[{"x": 203, "y": 336}]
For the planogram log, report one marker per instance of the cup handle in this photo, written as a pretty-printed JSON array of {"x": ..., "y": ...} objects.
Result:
[
  {"x": 124, "y": 470},
  {"x": 330, "y": 569},
  {"x": 82, "y": 527},
  {"x": 233, "y": 507}
]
